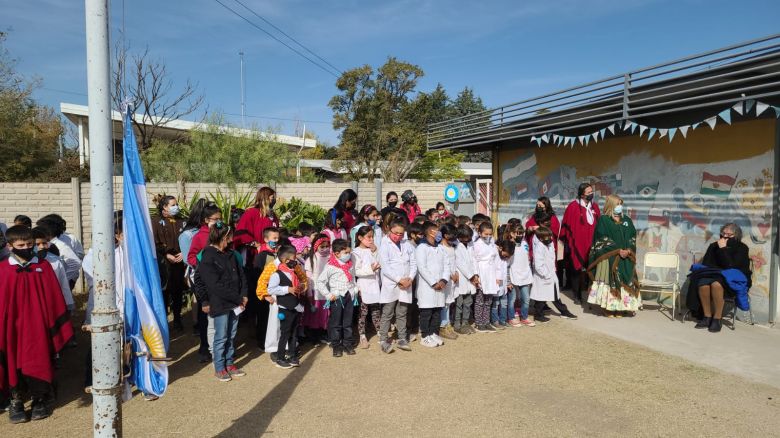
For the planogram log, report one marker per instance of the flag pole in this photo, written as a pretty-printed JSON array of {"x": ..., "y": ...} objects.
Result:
[{"x": 106, "y": 323}]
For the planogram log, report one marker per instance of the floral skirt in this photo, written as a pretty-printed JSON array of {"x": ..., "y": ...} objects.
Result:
[{"x": 601, "y": 295}]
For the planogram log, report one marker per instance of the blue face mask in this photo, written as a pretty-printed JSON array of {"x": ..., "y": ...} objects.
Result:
[
  {"x": 174, "y": 210},
  {"x": 438, "y": 237},
  {"x": 371, "y": 222},
  {"x": 272, "y": 244},
  {"x": 618, "y": 209}
]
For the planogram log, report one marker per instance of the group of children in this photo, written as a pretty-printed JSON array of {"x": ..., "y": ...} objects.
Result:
[{"x": 434, "y": 279}]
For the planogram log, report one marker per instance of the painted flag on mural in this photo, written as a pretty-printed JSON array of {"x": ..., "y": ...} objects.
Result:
[
  {"x": 519, "y": 176},
  {"x": 647, "y": 191},
  {"x": 551, "y": 186},
  {"x": 146, "y": 320},
  {"x": 716, "y": 185}
]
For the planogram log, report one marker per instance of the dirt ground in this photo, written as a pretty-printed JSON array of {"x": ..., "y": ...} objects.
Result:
[{"x": 552, "y": 380}]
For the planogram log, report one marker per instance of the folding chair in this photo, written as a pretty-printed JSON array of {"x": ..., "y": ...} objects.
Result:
[
  {"x": 669, "y": 263},
  {"x": 731, "y": 306}
]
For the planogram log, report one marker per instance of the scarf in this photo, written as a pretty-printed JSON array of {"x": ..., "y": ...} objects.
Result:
[
  {"x": 293, "y": 276},
  {"x": 588, "y": 210},
  {"x": 343, "y": 266}
]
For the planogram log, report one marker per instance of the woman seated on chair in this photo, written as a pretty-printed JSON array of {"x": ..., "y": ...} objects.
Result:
[
  {"x": 728, "y": 252},
  {"x": 612, "y": 262}
]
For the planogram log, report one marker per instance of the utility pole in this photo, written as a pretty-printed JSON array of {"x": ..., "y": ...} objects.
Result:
[
  {"x": 106, "y": 323},
  {"x": 243, "y": 91}
]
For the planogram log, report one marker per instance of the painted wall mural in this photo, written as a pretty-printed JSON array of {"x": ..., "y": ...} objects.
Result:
[{"x": 678, "y": 193}]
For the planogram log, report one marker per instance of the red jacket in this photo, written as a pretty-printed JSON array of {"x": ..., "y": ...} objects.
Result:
[
  {"x": 412, "y": 211},
  {"x": 253, "y": 224},
  {"x": 555, "y": 228},
  {"x": 577, "y": 233},
  {"x": 199, "y": 241}
]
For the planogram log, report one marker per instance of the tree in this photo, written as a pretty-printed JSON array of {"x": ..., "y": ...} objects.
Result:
[
  {"x": 29, "y": 133},
  {"x": 467, "y": 104},
  {"x": 218, "y": 152},
  {"x": 149, "y": 88}
]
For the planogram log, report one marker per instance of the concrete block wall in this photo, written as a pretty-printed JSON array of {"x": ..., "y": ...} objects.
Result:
[{"x": 73, "y": 200}]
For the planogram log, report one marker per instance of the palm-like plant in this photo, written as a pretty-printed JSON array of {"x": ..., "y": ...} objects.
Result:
[{"x": 295, "y": 210}]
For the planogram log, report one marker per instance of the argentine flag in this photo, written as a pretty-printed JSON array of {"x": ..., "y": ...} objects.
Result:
[{"x": 146, "y": 320}]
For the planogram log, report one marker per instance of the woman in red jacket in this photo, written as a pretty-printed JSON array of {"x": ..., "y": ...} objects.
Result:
[
  {"x": 346, "y": 204},
  {"x": 249, "y": 230},
  {"x": 579, "y": 224}
]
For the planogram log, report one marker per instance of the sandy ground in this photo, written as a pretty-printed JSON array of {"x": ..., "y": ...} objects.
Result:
[{"x": 552, "y": 380}]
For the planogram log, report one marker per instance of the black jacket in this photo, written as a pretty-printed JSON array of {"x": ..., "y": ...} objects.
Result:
[
  {"x": 220, "y": 281},
  {"x": 735, "y": 255}
]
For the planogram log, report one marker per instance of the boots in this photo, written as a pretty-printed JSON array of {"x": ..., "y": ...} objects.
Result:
[
  {"x": 704, "y": 323},
  {"x": 42, "y": 408},
  {"x": 715, "y": 325},
  {"x": 16, "y": 412}
]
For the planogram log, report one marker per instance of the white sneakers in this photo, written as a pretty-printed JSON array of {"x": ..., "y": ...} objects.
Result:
[
  {"x": 429, "y": 341},
  {"x": 438, "y": 339}
]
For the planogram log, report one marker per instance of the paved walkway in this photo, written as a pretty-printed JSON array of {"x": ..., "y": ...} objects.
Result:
[{"x": 749, "y": 351}]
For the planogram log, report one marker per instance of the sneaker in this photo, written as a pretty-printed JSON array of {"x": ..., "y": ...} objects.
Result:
[
  {"x": 350, "y": 350},
  {"x": 387, "y": 347},
  {"x": 568, "y": 315},
  {"x": 223, "y": 376},
  {"x": 413, "y": 337},
  {"x": 437, "y": 338},
  {"x": 451, "y": 331},
  {"x": 498, "y": 326},
  {"x": 274, "y": 357},
  {"x": 404, "y": 345},
  {"x": 541, "y": 318},
  {"x": 444, "y": 333},
  {"x": 283, "y": 364},
  {"x": 429, "y": 342},
  {"x": 515, "y": 323},
  {"x": 42, "y": 409},
  {"x": 235, "y": 372},
  {"x": 294, "y": 362},
  {"x": 463, "y": 330},
  {"x": 16, "y": 412},
  {"x": 363, "y": 343},
  {"x": 150, "y": 397},
  {"x": 527, "y": 323},
  {"x": 492, "y": 327},
  {"x": 472, "y": 330},
  {"x": 337, "y": 351}
]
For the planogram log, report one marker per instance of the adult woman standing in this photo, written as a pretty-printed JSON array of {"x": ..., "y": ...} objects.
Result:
[
  {"x": 346, "y": 204},
  {"x": 544, "y": 213},
  {"x": 256, "y": 219},
  {"x": 612, "y": 264},
  {"x": 579, "y": 223},
  {"x": 166, "y": 228}
]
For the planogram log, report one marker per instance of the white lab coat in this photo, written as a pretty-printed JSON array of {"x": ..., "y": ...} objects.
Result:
[
  {"x": 69, "y": 257},
  {"x": 520, "y": 273},
  {"x": 502, "y": 274},
  {"x": 432, "y": 265},
  {"x": 464, "y": 263},
  {"x": 545, "y": 281},
  {"x": 449, "y": 289},
  {"x": 485, "y": 256},
  {"x": 367, "y": 278},
  {"x": 62, "y": 278},
  {"x": 397, "y": 263},
  {"x": 120, "y": 274}
]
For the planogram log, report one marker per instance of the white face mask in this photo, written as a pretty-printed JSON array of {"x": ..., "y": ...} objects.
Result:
[
  {"x": 174, "y": 210},
  {"x": 487, "y": 239},
  {"x": 618, "y": 210},
  {"x": 344, "y": 258}
]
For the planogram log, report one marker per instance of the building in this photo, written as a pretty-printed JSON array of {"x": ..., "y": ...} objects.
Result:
[
  {"x": 689, "y": 145},
  {"x": 79, "y": 116}
]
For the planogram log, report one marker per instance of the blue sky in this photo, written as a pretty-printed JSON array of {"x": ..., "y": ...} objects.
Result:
[{"x": 505, "y": 50}]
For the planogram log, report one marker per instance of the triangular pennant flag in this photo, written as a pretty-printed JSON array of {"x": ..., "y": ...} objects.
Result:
[
  {"x": 633, "y": 127},
  {"x": 711, "y": 121},
  {"x": 560, "y": 140},
  {"x": 573, "y": 141},
  {"x": 777, "y": 111},
  {"x": 587, "y": 140},
  {"x": 533, "y": 139},
  {"x": 695, "y": 125},
  {"x": 642, "y": 129},
  {"x": 545, "y": 138},
  {"x": 555, "y": 137},
  {"x": 760, "y": 108},
  {"x": 628, "y": 125},
  {"x": 738, "y": 107},
  {"x": 749, "y": 105},
  {"x": 601, "y": 133},
  {"x": 662, "y": 132},
  {"x": 684, "y": 131},
  {"x": 612, "y": 128},
  {"x": 651, "y": 133},
  {"x": 581, "y": 138},
  {"x": 672, "y": 131},
  {"x": 595, "y": 136},
  {"x": 725, "y": 115}
]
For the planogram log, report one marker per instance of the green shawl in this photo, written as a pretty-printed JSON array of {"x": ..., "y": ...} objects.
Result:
[{"x": 608, "y": 239}]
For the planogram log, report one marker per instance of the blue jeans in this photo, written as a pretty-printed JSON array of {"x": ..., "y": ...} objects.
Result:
[
  {"x": 445, "y": 315},
  {"x": 523, "y": 293},
  {"x": 225, "y": 328},
  {"x": 498, "y": 310}
]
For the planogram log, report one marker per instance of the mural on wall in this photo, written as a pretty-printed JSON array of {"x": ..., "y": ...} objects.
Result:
[{"x": 678, "y": 201}]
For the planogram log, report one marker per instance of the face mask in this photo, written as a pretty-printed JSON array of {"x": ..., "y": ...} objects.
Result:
[
  {"x": 344, "y": 258},
  {"x": 547, "y": 242},
  {"x": 174, "y": 210},
  {"x": 589, "y": 197},
  {"x": 40, "y": 253},
  {"x": 441, "y": 212},
  {"x": 540, "y": 209},
  {"x": 371, "y": 222},
  {"x": 291, "y": 264},
  {"x": 396, "y": 238},
  {"x": 519, "y": 239},
  {"x": 272, "y": 244},
  {"x": 418, "y": 240},
  {"x": 26, "y": 254},
  {"x": 324, "y": 252},
  {"x": 392, "y": 204},
  {"x": 487, "y": 240},
  {"x": 618, "y": 210},
  {"x": 438, "y": 237},
  {"x": 453, "y": 242}
]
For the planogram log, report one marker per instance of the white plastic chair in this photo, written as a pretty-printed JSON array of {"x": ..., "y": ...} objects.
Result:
[{"x": 667, "y": 261}]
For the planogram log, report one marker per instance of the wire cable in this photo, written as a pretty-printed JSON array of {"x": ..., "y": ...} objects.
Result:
[{"x": 323, "y": 68}]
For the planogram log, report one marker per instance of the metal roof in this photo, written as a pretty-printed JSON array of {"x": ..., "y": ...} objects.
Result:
[{"x": 694, "y": 84}]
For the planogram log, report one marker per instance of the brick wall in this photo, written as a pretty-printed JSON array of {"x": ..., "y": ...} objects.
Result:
[{"x": 73, "y": 200}]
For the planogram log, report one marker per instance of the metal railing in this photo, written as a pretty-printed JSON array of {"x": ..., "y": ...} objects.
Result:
[{"x": 749, "y": 70}]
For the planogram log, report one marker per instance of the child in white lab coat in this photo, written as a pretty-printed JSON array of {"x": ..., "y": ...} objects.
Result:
[
  {"x": 485, "y": 255},
  {"x": 433, "y": 275},
  {"x": 500, "y": 311},
  {"x": 367, "y": 272},
  {"x": 398, "y": 270}
]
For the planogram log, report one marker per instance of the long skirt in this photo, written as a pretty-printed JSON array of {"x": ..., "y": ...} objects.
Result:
[{"x": 601, "y": 295}]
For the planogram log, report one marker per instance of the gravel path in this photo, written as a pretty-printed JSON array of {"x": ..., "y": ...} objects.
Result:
[{"x": 551, "y": 380}]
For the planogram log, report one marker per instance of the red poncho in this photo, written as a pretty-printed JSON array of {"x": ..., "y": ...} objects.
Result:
[
  {"x": 577, "y": 232},
  {"x": 35, "y": 323}
]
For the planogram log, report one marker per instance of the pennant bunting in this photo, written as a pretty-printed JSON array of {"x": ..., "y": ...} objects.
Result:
[
  {"x": 695, "y": 125},
  {"x": 738, "y": 107},
  {"x": 749, "y": 105},
  {"x": 642, "y": 129},
  {"x": 711, "y": 121},
  {"x": 595, "y": 136},
  {"x": 672, "y": 131},
  {"x": 662, "y": 132},
  {"x": 651, "y": 133},
  {"x": 612, "y": 128},
  {"x": 725, "y": 115},
  {"x": 587, "y": 140},
  {"x": 628, "y": 125},
  {"x": 777, "y": 111},
  {"x": 684, "y": 131},
  {"x": 545, "y": 138},
  {"x": 760, "y": 108},
  {"x": 601, "y": 132}
]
